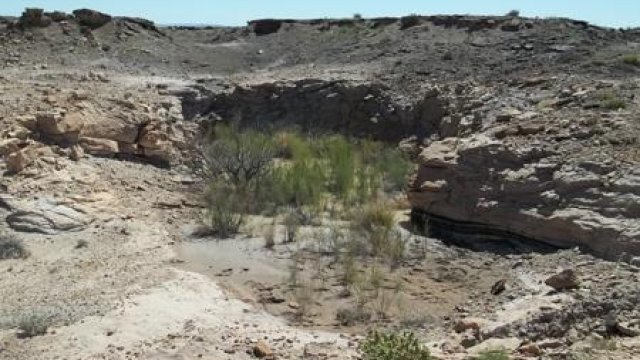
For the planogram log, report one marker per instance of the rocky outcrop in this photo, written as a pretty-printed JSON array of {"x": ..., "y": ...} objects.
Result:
[
  {"x": 44, "y": 216},
  {"x": 530, "y": 192},
  {"x": 91, "y": 18},
  {"x": 350, "y": 108},
  {"x": 34, "y": 17},
  {"x": 267, "y": 26}
]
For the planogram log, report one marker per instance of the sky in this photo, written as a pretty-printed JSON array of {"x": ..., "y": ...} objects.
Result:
[{"x": 612, "y": 13}]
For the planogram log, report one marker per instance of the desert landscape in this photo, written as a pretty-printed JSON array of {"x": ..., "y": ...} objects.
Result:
[{"x": 421, "y": 187}]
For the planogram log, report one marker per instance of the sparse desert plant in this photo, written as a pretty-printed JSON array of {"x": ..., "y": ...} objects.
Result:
[
  {"x": 374, "y": 216},
  {"x": 292, "y": 224},
  {"x": 389, "y": 346},
  {"x": 496, "y": 354},
  {"x": 352, "y": 316},
  {"x": 631, "y": 59},
  {"x": 304, "y": 298},
  {"x": 301, "y": 183},
  {"x": 270, "y": 237},
  {"x": 609, "y": 99},
  {"x": 395, "y": 248},
  {"x": 350, "y": 274},
  {"x": 225, "y": 209},
  {"x": 31, "y": 323},
  {"x": 240, "y": 156},
  {"x": 12, "y": 248},
  {"x": 413, "y": 320}
]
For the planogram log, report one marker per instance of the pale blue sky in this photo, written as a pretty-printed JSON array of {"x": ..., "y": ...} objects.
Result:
[{"x": 614, "y": 13}]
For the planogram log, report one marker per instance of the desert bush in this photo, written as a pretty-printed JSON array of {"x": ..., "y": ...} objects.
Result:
[
  {"x": 270, "y": 237},
  {"x": 304, "y": 296},
  {"x": 292, "y": 222},
  {"x": 352, "y": 316},
  {"x": 342, "y": 163},
  {"x": 381, "y": 346},
  {"x": 609, "y": 99},
  {"x": 394, "y": 167},
  {"x": 374, "y": 216},
  {"x": 225, "y": 209},
  {"x": 350, "y": 275},
  {"x": 497, "y": 354},
  {"x": 513, "y": 13},
  {"x": 30, "y": 323},
  {"x": 240, "y": 156},
  {"x": 631, "y": 59},
  {"x": 301, "y": 183},
  {"x": 12, "y": 248}
]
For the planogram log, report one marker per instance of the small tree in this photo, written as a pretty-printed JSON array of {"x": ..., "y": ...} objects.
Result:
[{"x": 241, "y": 156}]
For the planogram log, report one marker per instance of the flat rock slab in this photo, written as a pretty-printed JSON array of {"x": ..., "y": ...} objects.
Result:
[{"x": 46, "y": 216}]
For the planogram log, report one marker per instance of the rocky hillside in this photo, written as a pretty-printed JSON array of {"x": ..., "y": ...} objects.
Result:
[{"x": 524, "y": 134}]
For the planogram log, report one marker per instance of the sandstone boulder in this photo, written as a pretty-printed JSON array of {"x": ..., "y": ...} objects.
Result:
[
  {"x": 262, "y": 350},
  {"x": 60, "y": 127},
  {"x": 19, "y": 160},
  {"x": 45, "y": 216}
]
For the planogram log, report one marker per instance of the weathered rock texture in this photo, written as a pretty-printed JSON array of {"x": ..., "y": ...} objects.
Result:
[
  {"x": 528, "y": 190},
  {"x": 350, "y": 108}
]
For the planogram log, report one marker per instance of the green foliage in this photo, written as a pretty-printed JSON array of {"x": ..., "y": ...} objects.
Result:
[
  {"x": 296, "y": 184},
  {"x": 342, "y": 163},
  {"x": 493, "y": 355},
  {"x": 12, "y": 248},
  {"x": 631, "y": 59},
  {"x": 225, "y": 208},
  {"x": 381, "y": 346},
  {"x": 239, "y": 156}
]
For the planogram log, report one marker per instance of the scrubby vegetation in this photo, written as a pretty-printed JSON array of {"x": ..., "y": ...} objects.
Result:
[
  {"x": 609, "y": 99},
  {"x": 31, "y": 323},
  {"x": 631, "y": 59},
  {"x": 12, "y": 248},
  {"x": 381, "y": 346},
  {"x": 253, "y": 172}
]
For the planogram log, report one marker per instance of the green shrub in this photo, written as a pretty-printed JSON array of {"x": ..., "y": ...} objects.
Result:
[
  {"x": 225, "y": 209},
  {"x": 240, "y": 156},
  {"x": 493, "y": 355},
  {"x": 631, "y": 59},
  {"x": 381, "y": 346},
  {"x": 12, "y": 248},
  {"x": 299, "y": 184},
  {"x": 342, "y": 163},
  {"x": 374, "y": 216}
]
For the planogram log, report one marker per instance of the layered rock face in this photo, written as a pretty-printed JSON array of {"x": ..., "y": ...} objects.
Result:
[
  {"x": 536, "y": 176},
  {"x": 527, "y": 191},
  {"x": 362, "y": 109}
]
